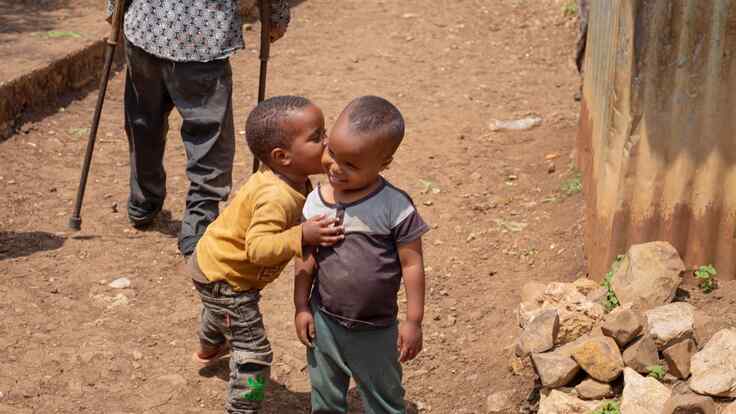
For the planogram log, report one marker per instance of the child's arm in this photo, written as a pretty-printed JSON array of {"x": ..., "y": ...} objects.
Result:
[
  {"x": 269, "y": 240},
  {"x": 303, "y": 279},
  {"x": 412, "y": 269}
]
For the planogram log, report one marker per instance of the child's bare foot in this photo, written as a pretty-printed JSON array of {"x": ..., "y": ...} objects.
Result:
[{"x": 208, "y": 354}]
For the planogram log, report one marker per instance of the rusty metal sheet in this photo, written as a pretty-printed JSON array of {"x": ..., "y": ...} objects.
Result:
[{"x": 657, "y": 137}]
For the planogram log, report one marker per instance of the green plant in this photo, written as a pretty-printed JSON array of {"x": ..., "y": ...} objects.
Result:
[
  {"x": 570, "y": 8},
  {"x": 572, "y": 185},
  {"x": 707, "y": 277},
  {"x": 78, "y": 131},
  {"x": 429, "y": 187},
  {"x": 611, "y": 300},
  {"x": 657, "y": 372},
  {"x": 608, "y": 407},
  {"x": 54, "y": 34}
]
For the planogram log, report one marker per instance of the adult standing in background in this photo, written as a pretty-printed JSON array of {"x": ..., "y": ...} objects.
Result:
[{"x": 177, "y": 54}]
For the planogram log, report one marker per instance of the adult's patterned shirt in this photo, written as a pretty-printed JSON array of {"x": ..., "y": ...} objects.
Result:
[{"x": 190, "y": 30}]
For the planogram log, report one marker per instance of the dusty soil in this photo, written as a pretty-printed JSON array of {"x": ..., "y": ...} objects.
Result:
[
  {"x": 72, "y": 344},
  {"x": 36, "y": 32}
]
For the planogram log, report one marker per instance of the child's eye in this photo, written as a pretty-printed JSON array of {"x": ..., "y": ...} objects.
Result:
[{"x": 319, "y": 137}]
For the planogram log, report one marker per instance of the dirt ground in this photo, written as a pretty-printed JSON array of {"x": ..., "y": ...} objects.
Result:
[
  {"x": 36, "y": 32},
  {"x": 70, "y": 343}
]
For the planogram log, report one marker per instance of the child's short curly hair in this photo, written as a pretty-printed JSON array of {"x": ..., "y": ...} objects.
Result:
[
  {"x": 376, "y": 116},
  {"x": 264, "y": 129}
]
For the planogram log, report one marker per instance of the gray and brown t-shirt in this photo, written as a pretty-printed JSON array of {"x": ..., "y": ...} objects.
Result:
[{"x": 358, "y": 279}]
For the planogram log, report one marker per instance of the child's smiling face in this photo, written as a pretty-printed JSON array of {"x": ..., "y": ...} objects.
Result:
[{"x": 353, "y": 161}]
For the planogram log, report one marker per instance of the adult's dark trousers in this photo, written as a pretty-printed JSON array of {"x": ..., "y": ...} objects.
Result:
[{"x": 202, "y": 93}]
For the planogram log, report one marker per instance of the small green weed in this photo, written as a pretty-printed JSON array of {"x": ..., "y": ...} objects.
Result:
[
  {"x": 707, "y": 277},
  {"x": 55, "y": 34},
  {"x": 572, "y": 185},
  {"x": 608, "y": 407},
  {"x": 78, "y": 132},
  {"x": 570, "y": 9},
  {"x": 657, "y": 372},
  {"x": 612, "y": 301},
  {"x": 429, "y": 187}
]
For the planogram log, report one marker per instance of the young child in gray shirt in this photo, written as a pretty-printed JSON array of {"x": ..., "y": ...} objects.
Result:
[{"x": 345, "y": 295}]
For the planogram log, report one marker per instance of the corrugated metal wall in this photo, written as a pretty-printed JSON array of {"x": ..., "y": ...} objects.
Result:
[{"x": 657, "y": 142}]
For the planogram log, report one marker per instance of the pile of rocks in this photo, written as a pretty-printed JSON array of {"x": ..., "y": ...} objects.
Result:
[{"x": 585, "y": 356}]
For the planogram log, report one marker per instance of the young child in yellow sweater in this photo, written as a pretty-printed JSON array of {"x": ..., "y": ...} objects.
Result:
[{"x": 254, "y": 238}]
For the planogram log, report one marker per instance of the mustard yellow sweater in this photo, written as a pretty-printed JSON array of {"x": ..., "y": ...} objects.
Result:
[{"x": 255, "y": 236}]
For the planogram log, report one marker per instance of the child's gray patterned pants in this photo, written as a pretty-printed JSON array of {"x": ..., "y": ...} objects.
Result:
[{"x": 234, "y": 317}]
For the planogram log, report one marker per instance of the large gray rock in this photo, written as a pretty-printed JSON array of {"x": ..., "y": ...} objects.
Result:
[
  {"x": 558, "y": 402},
  {"x": 539, "y": 335},
  {"x": 578, "y": 315},
  {"x": 600, "y": 357},
  {"x": 689, "y": 404},
  {"x": 678, "y": 358},
  {"x": 643, "y": 395},
  {"x": 586, "y": 286},
  {"x": 714, "y": 368},
  {"x": 623, "y": 325},
  {"x": 591, "y": 389},
  {"x": 671, "y": 323},
  {"x": 641, "y": 355},
  {"x": 705, "y": 327},
  {"x": 555, "y": 369},
  {"x": 648, "y": 276}
]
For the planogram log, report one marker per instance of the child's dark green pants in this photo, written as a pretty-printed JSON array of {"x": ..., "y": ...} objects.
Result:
[{"x": 370, "y": 357}]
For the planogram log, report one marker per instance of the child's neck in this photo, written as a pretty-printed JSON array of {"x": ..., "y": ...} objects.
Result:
[{"x": 295, "y": 181}]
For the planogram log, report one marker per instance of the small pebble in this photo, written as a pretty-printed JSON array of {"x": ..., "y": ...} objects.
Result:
[{"x": 120, "y": 283}]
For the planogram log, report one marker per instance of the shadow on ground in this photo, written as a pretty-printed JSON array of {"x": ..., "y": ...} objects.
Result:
[
  {"x": 20, "y": 244},
  {"x": 281, "y": 400},
  {"x": 166, "y": 224}
]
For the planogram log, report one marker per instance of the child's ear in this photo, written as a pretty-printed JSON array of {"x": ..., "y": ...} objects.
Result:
[{"x": 281, "y": 157}]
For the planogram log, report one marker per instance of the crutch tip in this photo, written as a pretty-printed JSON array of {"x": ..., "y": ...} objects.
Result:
[{"x": 75, "y": 223}]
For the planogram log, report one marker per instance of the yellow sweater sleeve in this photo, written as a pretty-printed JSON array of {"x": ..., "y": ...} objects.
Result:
[{"x": 269, "y": 241}]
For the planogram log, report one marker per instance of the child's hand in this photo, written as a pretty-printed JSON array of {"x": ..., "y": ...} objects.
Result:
[
  {"x": 277, "y": 32},
  {"x": 410, "y": 340},
  {"x": 304, "y": 323},
  {"x": 321, "y": 231}
]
